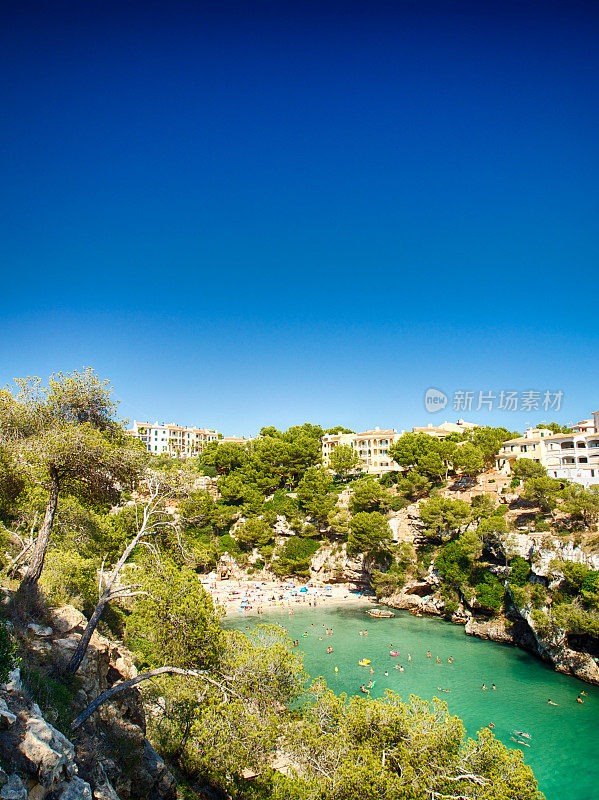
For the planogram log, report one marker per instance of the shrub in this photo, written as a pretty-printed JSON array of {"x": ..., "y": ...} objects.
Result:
[
  {"x": 295, "y": 556},
  {"x": 520, "y": 571},
  {"x": 70, "y": 578}
]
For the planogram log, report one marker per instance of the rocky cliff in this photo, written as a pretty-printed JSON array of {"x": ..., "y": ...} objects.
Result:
[{"x": 109, "y": 758}]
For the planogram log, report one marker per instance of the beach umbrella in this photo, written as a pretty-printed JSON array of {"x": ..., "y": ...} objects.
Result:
[{"x": 303, "y": 589}]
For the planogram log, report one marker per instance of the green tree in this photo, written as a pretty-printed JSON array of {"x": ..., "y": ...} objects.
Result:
[
  {"x": 369, "y": 533},
  {"x": 468, "y": 459},
  {"x": 527, "y": 468},
  {"x": 295, "y": 556},
  {"x": 314, "y": 493},
  {"x": 555, "y": 427},
  {"x": 255, "y": 531},
  {"x": 175, "y": 622},
  {"x": 369, "y": 495},
  {"x": 413, "y": 485},
  {"x": 581, "y": 503},
  {"x": 456, "y": 560},
  {"x": 489, "y": 441},
  {"x": 344, "y": 460},
  {"x": 543, "y": 491},
  {"x": 420, "y": 452},
  {"x": 67, "y": 434},
  {"x": 443, "y": 517}
]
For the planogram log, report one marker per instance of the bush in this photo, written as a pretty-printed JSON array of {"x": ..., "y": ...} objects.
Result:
[
  {"x": 520, "y": 571},
  {"x": 295, "y": 556},
  {"x": 227, "y": 544},
  {"x": 490, "y": 592},
  {"x": 70, "y": 578}
]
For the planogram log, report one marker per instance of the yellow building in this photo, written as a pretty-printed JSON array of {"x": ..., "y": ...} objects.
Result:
[
  {"x": 371, "y": 446},
  {"x": 445, "y": 428}
]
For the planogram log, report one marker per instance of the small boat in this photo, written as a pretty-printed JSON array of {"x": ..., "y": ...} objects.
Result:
[
  {"x": 364, "y": 662},
  {"x": 379, "y": 613}
]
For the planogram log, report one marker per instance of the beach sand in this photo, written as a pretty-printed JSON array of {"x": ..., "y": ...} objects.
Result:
[{"x": 236, "y": 596}]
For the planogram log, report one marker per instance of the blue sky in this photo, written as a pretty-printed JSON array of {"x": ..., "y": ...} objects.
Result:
[{"x": 270, "y": 213}]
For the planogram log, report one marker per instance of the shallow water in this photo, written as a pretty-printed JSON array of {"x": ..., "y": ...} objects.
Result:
[{"x": 564, "y": 746}]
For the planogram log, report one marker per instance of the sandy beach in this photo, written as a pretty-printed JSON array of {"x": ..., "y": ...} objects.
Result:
[{"x": 238, "y": 596}]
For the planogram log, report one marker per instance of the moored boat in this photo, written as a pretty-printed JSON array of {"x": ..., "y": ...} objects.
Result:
[{"x": 380, "y": 613}]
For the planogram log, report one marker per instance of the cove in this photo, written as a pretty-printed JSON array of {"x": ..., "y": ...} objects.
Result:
[{"x": 564, "y": 746}]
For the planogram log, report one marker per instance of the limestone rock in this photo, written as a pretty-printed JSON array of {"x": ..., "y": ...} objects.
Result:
[
  {"x": 6, "y": 716},
  {"x": 13, "y": 789},
  {"x": 497, "y": 630},
  {"x": 67, "y": 618},
  {"x": 48, "y": 753},
  {"x": 40, "y": 630},
  {"x": 75, "y": 789}
]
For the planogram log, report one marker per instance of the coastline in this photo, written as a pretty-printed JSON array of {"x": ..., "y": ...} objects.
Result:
[{"x": 264, "y": 597}]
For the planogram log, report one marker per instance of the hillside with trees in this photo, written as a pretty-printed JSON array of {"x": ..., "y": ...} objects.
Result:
[{"x": 96, "y": 529}]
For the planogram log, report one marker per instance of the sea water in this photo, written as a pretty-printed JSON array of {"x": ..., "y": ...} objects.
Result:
[{"x": 564, "y": 745}]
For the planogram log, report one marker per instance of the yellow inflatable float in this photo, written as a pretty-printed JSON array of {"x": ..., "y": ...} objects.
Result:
[{"x": 364, "y": 662}]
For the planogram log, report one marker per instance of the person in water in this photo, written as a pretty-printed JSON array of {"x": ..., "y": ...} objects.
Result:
[
  {"x": 387, "y": 675},
  {"x": 484, "y": 687},
  {"x": 428, "y": 655},
  {"x": 493, "y": 686},
  {"x": 438, "y": 660},
  {"x": 409, "y": 657},
  {"x": 551, "y": 703}
]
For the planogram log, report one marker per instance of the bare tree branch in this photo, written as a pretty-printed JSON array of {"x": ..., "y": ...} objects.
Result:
[{"x": 121, "y": 687}]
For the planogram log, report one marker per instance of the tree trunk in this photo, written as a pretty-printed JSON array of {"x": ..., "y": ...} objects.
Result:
[
  {"x": 36, "y": 564},
  {"x": 79, "y": 653}
]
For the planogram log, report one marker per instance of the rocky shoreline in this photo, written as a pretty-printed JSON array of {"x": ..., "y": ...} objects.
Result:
[{"x": 517, "y": 629}]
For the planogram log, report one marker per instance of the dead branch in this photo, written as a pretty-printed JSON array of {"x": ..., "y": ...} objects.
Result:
[{"x": 153, "y": 673}]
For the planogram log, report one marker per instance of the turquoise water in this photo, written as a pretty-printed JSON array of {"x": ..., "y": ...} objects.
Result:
[{"x": 564, "y": 746}]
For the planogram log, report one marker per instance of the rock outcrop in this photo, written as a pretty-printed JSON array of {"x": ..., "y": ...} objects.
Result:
[{"x": 109, "y": 758}]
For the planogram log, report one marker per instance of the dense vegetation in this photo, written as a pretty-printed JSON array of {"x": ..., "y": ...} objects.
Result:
[{"x": 90, "y": 519}]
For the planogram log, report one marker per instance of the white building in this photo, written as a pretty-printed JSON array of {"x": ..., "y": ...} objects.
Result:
[
  {"x": 174, "y": 440},
  {"x": 569, "y": 456}
]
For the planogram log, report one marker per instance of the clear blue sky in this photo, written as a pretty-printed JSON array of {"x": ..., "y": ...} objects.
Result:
[{"x": 267, "y": 213}]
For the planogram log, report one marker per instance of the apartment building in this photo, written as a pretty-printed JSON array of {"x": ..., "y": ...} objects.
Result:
[
  {"x": 443, "y": 430},
  {"x": 570, "y": 456},
  {"x": 174, "y": 440},
  {"x": 372, "y": 447}
]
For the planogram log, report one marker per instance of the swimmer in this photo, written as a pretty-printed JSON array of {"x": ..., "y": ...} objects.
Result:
[
  {"x": 491, "y": 724},
  {"x": 447, "y": 690},
  {"x": 387, "y": 675},
  {"x": 363, "y": 689},
  {"x": 401, "y": 669},
  {"x": 370, "y": 684},
  {"x": 493, "y": 686},
  {"x": 484, "y": 688},
  {"x": 361, "y": 633},
  {"x": 438, "y": 660},
  {"x": 551, "y": 703},
  {"x": 320, "y": 638},
  {"x": 584, "y": 694},
  {"x": 371, "y": 671},
  {"x": 428, "y": 655},
  {"x": 409, "y": 657},
  {"x": 365, "y": 632},
  {"x": 397, "y": 666},
  {"x": 579, "y": 700}
]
